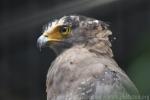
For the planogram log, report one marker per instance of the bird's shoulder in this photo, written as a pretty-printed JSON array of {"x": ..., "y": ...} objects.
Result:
[{"x": 88, "y": 76}]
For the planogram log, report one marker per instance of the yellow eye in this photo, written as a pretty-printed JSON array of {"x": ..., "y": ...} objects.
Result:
[{"x": 65, "y": 30}]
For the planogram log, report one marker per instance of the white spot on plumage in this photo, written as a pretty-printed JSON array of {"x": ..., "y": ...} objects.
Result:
[
  {"x": 83, "y": 82},
  {"x": 79, "y": 88},
  {"x": 88, "y": 79},
  {"x": 92, "y": 84},
  {"x": 82, "y": 93},
  {"x": 90, "y": 22},
  {"x": 89, "y": 91},
  {"x": 96, "y": 21}
]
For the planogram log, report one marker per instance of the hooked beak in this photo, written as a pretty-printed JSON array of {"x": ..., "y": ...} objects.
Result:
[
  {"x": 42, "y": 41},
  {"x": 49, "y": 38}
]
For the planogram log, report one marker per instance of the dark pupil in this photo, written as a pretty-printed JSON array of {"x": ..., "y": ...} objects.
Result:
[{"x": 63, "y": 29}]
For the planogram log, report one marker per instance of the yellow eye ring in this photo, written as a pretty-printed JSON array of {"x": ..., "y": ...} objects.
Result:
[{"x": 65, "y": 30}]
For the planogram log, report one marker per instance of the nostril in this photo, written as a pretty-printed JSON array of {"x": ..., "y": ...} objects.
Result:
[{"x": 46, "y": 35}]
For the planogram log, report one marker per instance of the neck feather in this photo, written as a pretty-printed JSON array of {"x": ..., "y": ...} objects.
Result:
[{"x": 100, "y": 44}]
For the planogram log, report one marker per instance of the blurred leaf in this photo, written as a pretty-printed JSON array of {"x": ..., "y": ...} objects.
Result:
[{"x": 139, "y": 70}]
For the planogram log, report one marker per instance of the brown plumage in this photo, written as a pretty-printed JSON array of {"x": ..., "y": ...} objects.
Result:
[{"x": 85, "y": 68}]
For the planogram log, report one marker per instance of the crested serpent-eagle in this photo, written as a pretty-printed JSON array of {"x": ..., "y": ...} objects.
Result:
[{"x": 84, "y": 68}]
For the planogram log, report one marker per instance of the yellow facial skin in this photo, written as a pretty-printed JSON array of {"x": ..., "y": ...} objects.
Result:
[{"x": 57, "y": 33}]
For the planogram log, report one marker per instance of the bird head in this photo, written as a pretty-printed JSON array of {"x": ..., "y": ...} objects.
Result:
[{"x": 71, "y": 30}]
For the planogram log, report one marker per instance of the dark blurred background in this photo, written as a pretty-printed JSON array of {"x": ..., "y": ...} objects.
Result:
[{"x": 23, "y": 67}]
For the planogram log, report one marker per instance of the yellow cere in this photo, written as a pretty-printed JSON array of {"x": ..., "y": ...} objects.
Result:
[{"x": 58, "y": 33}]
